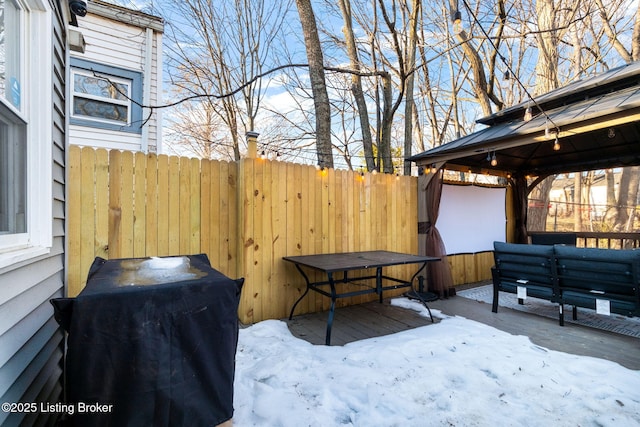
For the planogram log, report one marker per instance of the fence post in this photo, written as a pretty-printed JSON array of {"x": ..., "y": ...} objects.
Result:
[{"x": 252, "y": 144}]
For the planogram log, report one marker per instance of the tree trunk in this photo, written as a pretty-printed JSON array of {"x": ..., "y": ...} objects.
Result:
[
  {"x": 634, "y": 183},
  {"x": 611, "y": 213},
  {"x": 318, "y": 83},
  {"x": 627, "y": 198},
  {"x": 409, "y": 102},
  {"x": 577, "y": 202},
  {"x": 384, "y": 149},
  {"x": 547, "y": 65},
  {"x": 356, "y": 85},
  {"x": 389, "y": 106},
  {"x": 635, "y": 39},
  {"x": 546, "y": 80},
  {"x": 537, "y": 216}
]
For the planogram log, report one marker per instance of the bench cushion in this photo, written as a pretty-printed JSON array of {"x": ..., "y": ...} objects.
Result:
[
  {"x": 530, "y": 266},
  {"x": 611, "y": 271}
]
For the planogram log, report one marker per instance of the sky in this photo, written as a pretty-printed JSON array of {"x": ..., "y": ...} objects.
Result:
[{"x": 456, "y": 372}]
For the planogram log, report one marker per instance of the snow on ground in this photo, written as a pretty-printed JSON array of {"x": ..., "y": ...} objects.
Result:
[{"x": 455, "y": 373}]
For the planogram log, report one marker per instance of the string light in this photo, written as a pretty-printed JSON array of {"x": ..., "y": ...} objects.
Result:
[
  {"x": 494, "y": 161},
  {"x": 556, "y": 144}
]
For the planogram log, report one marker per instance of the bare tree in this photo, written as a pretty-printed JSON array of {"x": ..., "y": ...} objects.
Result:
[
  {"x": 198, "y": 129},
  {"x": 225, "y": 46}
]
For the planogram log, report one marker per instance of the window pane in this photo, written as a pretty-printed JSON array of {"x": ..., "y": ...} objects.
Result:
[
  {"x": 101, "y": 110},
  {"x": 13, "y": 178},
  {"x": 100, "y": 87},
  {"x": 10, "y": 21}
]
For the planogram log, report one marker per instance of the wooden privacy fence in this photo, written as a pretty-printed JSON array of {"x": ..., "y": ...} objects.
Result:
[{"x": 244, "y": 215}]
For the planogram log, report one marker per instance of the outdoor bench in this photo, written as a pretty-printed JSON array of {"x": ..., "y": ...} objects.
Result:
[
  {"x": 605, "y": 280},
  {"x": 526, "y": 267}
]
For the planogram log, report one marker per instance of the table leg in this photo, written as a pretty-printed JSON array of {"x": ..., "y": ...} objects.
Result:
[
  {"x": 306, "y": 279},
  {"x": 379, "y": 283},
  {"x": 332, "y": 309},
  {"x": 416, "y": 294}
]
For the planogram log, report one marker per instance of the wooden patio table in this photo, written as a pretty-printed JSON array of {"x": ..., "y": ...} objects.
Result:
[{"x": 351, "y": 261}]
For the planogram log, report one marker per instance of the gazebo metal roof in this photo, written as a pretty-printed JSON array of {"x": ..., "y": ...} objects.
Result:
[{"x": 599, "y": 127}]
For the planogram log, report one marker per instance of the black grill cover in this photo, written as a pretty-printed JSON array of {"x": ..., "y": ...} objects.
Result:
[{"x": 155, "y": 338}]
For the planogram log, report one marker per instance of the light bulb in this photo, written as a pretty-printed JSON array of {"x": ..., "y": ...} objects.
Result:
[
  {"x": 457, "y": 22},
  {"x": 546, "y": 129},
  {"x": 457, "y": 27}
]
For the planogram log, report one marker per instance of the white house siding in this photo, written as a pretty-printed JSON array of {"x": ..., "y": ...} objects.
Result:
[
  {"x": 31, "y": 344},
  {"x": 117, "y": 37},
  {"x": 104, "y": 138}
]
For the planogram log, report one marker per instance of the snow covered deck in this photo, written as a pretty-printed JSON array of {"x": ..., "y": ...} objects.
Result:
[{"x": 373, "y": 319}]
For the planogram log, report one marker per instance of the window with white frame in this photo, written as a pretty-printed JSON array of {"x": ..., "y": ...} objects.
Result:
[
  {"x": 105, "y": 97},
  {"x": 26, "y": 106},
  {"x": 13, "y": 141}
]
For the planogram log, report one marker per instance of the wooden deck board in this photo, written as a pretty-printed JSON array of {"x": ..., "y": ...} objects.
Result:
[{"x": 355, "y": 323}]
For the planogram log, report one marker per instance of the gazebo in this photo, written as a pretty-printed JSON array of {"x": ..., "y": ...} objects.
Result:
[{"x": 590, "y": 124}]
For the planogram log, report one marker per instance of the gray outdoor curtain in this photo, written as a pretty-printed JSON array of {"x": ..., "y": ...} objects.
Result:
[{"x": 438, "y": 273}]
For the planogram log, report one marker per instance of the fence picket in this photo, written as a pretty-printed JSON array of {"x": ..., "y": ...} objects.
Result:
[
  {"x": 151, "y": 203},
  {"x": 126, "y": 198},
  {"x": 87, "y": 228},
  {"x": 102, "y": 203},
  {"x": 140, "y": 205},
  {"x": 206, "y": 211},
  {"x": 173, "y": 202},
  {"x": 74, "y": 218},
  {"x": 163, "y": 205}
]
